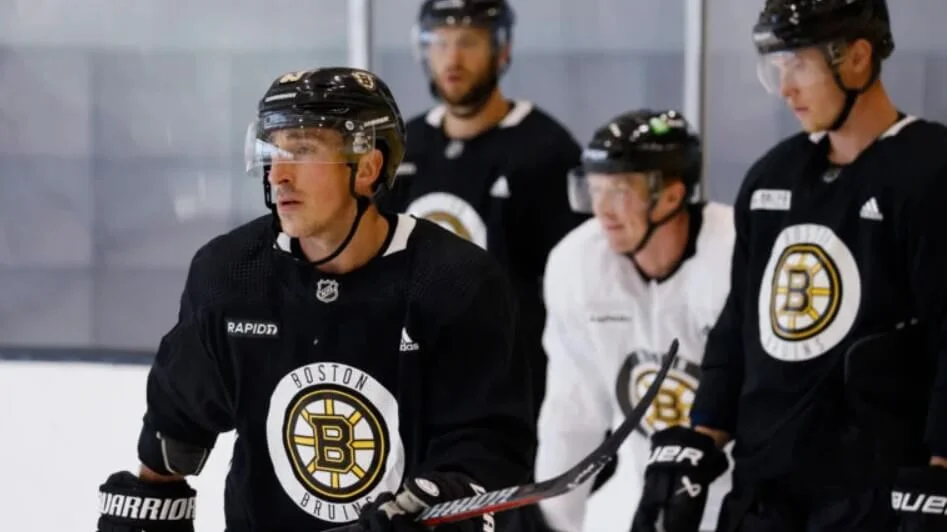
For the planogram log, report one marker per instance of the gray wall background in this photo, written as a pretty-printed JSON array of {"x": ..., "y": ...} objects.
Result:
[{"x": 121, "y": 124}]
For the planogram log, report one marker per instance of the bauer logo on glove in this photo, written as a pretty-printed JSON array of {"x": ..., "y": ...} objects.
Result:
[
  {"x": 692, "y": 489},
  {"x": 673, "y": 454},
  {"x": 919, "y": 496},
  {"x": 680, "y": 469}
]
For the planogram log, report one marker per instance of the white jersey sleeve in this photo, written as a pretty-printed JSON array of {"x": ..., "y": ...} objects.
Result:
[{"x": 576, "y": 412}]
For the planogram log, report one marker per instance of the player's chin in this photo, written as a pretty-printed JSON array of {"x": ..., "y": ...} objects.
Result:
[
  {"x": 453, "y": 95},
  {"x": 811, "y": 127},
  {"x": 293, "y": 227},
  {"x": 811, "y": 124},
  {"x": 620, "y": 243}
]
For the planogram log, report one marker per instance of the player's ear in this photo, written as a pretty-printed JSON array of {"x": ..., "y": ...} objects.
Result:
[
  {"x": 673, "y": 194},
  {"x": 858, "y": 61},
  {"x": 369, "y": 168},
  {"x": 503, "y": 56}
]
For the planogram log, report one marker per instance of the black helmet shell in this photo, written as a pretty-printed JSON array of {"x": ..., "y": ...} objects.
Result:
[
  {"x": 345, "y": 93},
  {"x": 646, "y": 141},
  {"x": 496, "y": 15},
  {"x": 791, "y": 24}
]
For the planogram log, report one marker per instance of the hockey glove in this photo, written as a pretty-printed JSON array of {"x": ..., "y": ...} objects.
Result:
[
  {"x": 681, "y": 467},
  {"x": 920, "y": 499},
  {"x": 397, "y": 513},
  {"x": 129, "y": 504}
]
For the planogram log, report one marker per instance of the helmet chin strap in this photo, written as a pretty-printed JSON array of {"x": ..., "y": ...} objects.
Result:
[
  {"x": 362, "y": 204},
  {"x": 655, "y": 185},
  {"x": 653, "y": 226},
  {"x": 851, "y": 95}
]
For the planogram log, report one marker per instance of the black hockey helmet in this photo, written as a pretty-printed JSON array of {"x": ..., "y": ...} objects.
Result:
[
  {"x": 355, "y": 103},
  {"x": 494, "y": 15},
  {"x": 792, "y": 24},
  {"x": 646, "y": 141},
  {"x": 658, "y": 143},
  {"x": 788, "y": 25}
]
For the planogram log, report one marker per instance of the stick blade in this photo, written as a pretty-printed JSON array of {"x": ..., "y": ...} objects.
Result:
[{"x": 518, "y": 496}]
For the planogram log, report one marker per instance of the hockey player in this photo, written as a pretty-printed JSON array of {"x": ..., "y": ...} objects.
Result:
[
  {"x": 820, "y": 367},
  {"x": 487, "y": 168},
  {"x": 363, "y": 359},
  {"x": 651, "y": 266}
]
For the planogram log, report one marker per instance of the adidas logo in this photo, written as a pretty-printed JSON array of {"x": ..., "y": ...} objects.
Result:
[
  {"x": 870, "y": 210},
  {"x": 407, "y": 344}
]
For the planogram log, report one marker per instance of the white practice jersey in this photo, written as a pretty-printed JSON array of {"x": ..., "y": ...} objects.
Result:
[{"x": 606, "y": 328}]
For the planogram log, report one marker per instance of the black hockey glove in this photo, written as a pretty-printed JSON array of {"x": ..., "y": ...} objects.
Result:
[
  {"x": 920, "y": 499},
  {"x": 129, "y": 504},
  {"x": 681, "y": 467},
  {"x": 397, "y": 513}
]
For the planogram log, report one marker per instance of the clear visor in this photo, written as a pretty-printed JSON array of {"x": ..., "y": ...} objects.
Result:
[
  {"x": 580, "y": 197},
  {"x": 462, "y": 35},
  {"x": 306, "y": 138},
  {"x": 611, "y": 192},
  {"x": 779, "y": 70}
]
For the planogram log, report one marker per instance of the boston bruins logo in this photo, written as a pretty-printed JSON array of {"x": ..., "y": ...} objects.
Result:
[
  {"x": 810, "y": 293},
  {"x": 332, "y": 434},
  {"x": 806, "y": 292},
  {"x": 322, "y": 438},
  {"x": 451, "y": 213},
  {"x": 364, "y": 79},
  {"x": 673, "y": 403}
]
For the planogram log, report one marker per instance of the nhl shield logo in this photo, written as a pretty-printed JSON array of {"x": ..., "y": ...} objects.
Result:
[{"x": 327, "y": 290}]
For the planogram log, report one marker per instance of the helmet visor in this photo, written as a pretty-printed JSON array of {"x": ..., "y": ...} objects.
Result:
[
  {"x": 612, "y": 191},
  {"x": 463, "y": 36},
  {"x": 799, "y": 69},
  {"x": 305, "y": 138},
  {"x": 580, "y": 197}
]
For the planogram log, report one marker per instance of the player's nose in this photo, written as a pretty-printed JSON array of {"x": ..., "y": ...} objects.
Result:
[
  {"x": 280, "y": 172},
  {"x": 455, "y": 58},
  {"x": 787, "y": 88}
]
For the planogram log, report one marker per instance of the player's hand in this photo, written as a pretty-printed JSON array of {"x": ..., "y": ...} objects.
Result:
[
  {"x": 397, "y": 512},
  {"x": 920, "y": 499},
  {"x": 938, "y": 461},
  {"x": 682, "y": 465},
  {"x": 129, "y": 504}
]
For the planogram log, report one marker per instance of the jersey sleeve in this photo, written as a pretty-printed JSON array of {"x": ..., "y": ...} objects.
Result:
[
  {"x": 576, "y": 412},
  {"x": 540, "y": 214},
  {"x": 189, "y": 392},
  {"x": 925, "y": 246},
  {"x": 478, "y": 389},
  {"x": 715, "y": 405}
]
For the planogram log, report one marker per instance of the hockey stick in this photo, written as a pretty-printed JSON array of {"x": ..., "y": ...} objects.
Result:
[{"x": 518, "y": 496}]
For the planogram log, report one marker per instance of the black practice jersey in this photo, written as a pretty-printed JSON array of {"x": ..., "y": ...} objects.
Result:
[
  {"x": 342, "y": 386},
  {"x": 825, "y": 255},
  {"x": 505, "y": 190}
]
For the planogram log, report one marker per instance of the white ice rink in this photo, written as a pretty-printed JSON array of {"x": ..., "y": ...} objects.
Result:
[{"x": 63, "y": 428}]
